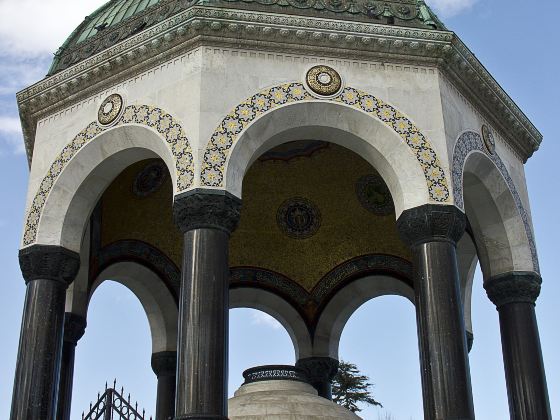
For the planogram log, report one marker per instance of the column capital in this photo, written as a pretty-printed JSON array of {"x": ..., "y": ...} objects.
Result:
[
  {"x": 74, "y": 327},
  {"x": 318, "y": 369},
  {"x": 513, "y": 287},
  {"x": 431, "y": 222},
  {"x": 204, "y": 208},
  {"x": 49, "y": 262},
  {"x": 164, "y": 363}
]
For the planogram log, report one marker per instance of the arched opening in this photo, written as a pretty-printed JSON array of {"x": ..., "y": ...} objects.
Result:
[
  {"x": 499, "y": 231},
  {"x": 117, "y": 344},
  {"x": 380, "y": 339},
  {"x": 255, "y": 338}
]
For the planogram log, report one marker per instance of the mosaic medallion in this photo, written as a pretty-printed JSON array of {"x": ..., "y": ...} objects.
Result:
[
  {"x": 149, "y": 179},
  {"x": 488, "y": 138},
  {"x": 323, "y": 80},
  {"x": 298, "y": 218},
  {"x": 110, "y": 109},
  {"x": 374, "y": 195}
]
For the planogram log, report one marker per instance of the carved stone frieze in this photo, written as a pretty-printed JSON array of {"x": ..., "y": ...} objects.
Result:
[
  {"x": 430, "y": 222},
  {"x": 513, "y": 287},
  {"x": 49, "y": 262},
  {"x": 205, "y": 25},
  {"x": 200, "y": 208}
]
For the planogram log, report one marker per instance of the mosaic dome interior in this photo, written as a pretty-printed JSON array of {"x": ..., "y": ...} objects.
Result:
[{"x": 117, "y": 20}]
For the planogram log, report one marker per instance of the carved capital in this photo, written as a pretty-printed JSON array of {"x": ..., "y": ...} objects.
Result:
[
  {"x": 74, "y": 327},
  {"x": 429, "y": 223},
  {"x": 318, "y": 369},
  {"x": 214, "y": 209},
  {"x": 470, "y": 340},
  {"x": 513, "y": 287},
  {"x": 164, "y": 363},
  {"x": 49, "y": 262}
]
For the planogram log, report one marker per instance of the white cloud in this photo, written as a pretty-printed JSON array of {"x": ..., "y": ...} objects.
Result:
[
  {"x": 37, "y": 26},
  {"x": 261, "y": 318},
  {"x": 448, "y": 8},
  {"x": 10, "y": 135}
]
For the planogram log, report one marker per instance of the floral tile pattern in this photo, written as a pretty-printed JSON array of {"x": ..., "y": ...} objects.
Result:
[
  {"x": 167, "y": 126},
  {"x": 226, "y": 134},
  {"x": 468, "y": 142}
]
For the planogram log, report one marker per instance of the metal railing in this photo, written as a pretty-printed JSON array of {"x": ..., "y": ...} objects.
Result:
[{"x": 112, "y": 405}]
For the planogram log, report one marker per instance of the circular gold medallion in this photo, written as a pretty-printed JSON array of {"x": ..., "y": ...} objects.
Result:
[
  {"x": 323, "y": 80},
  {"x": 110, "y": 109},
  {"x": 488, "y": 138}
]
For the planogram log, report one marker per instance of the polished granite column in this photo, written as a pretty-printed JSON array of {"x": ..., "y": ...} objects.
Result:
[
  {"x": 320, "y": 371},
  {"x": 74, "y": 329},
  {"x": 47, "y": 270},
  {"x": 514, "y": 295},
  {"x": 206, "y": 218},
  {"x": 164, "y": 365},
  {"x": 432, "y": 232}
]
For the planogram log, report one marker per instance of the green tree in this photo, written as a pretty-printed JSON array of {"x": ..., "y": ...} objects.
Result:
[{"x": 350, "y": 387}]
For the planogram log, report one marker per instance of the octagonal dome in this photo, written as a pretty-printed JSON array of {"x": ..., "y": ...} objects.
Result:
[{"x": 118, "y": 20}]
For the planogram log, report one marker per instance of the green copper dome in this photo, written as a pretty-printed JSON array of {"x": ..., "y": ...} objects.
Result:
[{"x": 117, "y": 20}]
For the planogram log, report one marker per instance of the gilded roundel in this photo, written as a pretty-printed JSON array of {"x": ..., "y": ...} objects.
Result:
[
  {"x": 149, "y": 179},
  {"x": 298, "y": 218},
  {"x": 374, "y": 195},
  {"x": 110, "y": 109},
  {"x": 323, "y": 80},
  {"x": 488, "y": 138}
]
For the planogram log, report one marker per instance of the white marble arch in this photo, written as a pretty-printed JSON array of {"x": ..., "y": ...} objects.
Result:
[
  {"x": 333, "y": 122},
  {"x": 498, "y": 228},
  {"x": 278, "y": 308},
  {"x": 77, "y": 189},
  {"x": 345, "y": 302},
  {"x": 467, "y": 261},
  {"x": 156, "y": 299}
]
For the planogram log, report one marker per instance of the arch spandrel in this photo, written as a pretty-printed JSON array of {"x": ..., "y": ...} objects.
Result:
[
  {"x": 94, "y": 157},
  {"x": 220, "y": 154},
  {"x": 484, "y": 188}
]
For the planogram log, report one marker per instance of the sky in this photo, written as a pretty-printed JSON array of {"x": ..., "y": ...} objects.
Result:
[{"x": 517, "y": 43}]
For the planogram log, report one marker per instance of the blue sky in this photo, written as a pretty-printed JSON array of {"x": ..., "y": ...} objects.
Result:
[{"x": 518, "y": 44}]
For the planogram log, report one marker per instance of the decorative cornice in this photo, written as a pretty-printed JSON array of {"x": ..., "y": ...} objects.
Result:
[
  {"x": 274, "y": 373},
  {"x": 49, "y": 262},
  {"x": 201, "y": 208},
  {"x": 430, "y": 223},
  {"x": 74, "y": 327},
  {"x": 513, "y": 287},
  {"x": 205, "y": 25},
  {"x": 164, "y": 363}
]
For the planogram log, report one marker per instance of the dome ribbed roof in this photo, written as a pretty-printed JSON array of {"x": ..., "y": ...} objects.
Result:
[{"x": 117, "y": 20}]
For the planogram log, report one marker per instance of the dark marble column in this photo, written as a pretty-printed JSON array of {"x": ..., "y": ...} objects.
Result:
[
  {"x": 206, "y": 218},
  {"x": 47, "y": 270},
  {"x": 470, "y": 340},
  {"x": 514, "y": 295},
  {"x": 320, "y": 371},
  {"x": 164, "y": 365},
  {"x": 74, "y": 328},
  {"x": 432, "y": 232}
]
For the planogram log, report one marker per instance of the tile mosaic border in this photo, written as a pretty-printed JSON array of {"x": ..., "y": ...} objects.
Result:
[
  {"x": 471, "y": 141},
  {"x": 216, "y": 154},
  {"x": 165, "y": 124}
]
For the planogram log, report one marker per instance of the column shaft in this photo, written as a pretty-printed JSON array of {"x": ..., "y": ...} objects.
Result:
[
  {"x": 514, "y": 295},
  {"x": 441, "y": 334},
  {"x": 203, "y": 326},
  {"x": 432, "y": 232},
  {"x": 164, "y": 365},
  {"x": 40, "y": 349},
  {"x": 74, "y": 328}
]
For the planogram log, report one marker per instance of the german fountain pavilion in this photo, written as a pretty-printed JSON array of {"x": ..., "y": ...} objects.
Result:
[{"x": 300, "y": 157}]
